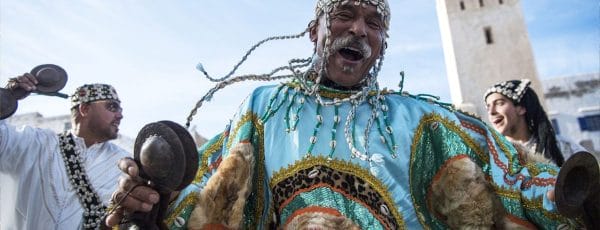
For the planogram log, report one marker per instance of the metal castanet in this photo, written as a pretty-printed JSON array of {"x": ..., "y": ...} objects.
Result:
[
  {"x": 51, "y": 79},
  {"x": 577, "y": 189},
  {"x": 166, "y": 155}
]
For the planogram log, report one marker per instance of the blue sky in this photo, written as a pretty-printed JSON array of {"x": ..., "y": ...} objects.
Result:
[{"x": 148, "y": 49}]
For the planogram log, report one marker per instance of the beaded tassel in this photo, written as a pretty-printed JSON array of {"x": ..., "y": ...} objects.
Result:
[
  {"x": 332, "y": 143},
  {"x": 270, "y": 110},
  {"x": 294, "y": 116},
  {"x": 391, "y": 144},
  {"x": 313, "y": 138}
]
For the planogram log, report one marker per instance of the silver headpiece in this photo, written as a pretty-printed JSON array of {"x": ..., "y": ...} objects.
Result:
[
  {"x": 93, "y": 92},
  {"x": 382, "y": 6},
  {"x": 513, "y": 89}
]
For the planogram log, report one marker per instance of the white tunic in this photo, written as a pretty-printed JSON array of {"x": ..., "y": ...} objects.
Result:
[{"x": 45, "y": 198}]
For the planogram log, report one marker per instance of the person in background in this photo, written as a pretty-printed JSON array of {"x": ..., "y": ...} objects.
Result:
[
  {"x": 64, "y": 180},
  {"x": 515, "y": 111}
]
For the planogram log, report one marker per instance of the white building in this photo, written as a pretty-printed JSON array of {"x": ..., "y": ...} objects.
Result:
[
  {"x": 573, "y": 104},
  {"x": 485, "y": 42}
]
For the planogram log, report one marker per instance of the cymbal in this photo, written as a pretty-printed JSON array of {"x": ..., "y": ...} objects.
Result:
[
  {"x": 577, "y": 189},
  {"x": 51, "y": 78},
  {"x": 8, "y": 103}
]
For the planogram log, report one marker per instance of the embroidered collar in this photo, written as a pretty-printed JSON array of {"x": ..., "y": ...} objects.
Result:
[
  {"x": 331, "y": 93},
  {"x": 93, "y": 211}
]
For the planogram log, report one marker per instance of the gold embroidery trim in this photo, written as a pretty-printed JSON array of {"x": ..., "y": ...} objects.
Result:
[
  {"x": 212, "y": 149},
  {"x": 260, "y": 187},
  {"x": 190, "y": 199},
  {"x": 428, "y": 119},
  {"x": 249, "y": 116},
  {"x": 506, "y": 192},
  {"x": 536, "y": 204},
  {"x": 254, "y": 120}
]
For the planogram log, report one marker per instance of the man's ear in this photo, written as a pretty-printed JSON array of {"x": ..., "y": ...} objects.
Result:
[
  {"x": 84, "y": 109},
  {"x": 313, "y": 27},
  {"x": 521, "y": 110}
]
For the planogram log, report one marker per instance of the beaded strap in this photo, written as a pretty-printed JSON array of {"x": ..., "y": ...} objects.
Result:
[{"x": 93, "y": 209}]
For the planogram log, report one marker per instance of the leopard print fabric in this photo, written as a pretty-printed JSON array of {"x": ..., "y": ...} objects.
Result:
[{"x": 350, "y": 186}]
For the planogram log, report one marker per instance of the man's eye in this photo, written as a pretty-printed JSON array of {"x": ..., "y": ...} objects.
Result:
[
  {"x": 374, "y": 25},
  {"x": 343, "y": 16},
  {"x": 113, "y": 107}
]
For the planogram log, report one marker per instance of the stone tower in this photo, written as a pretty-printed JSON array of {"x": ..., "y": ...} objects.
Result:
[{"x": 485, "y": 42}]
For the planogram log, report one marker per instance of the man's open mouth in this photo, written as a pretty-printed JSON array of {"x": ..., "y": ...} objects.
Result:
[
  {"x": 497, "y": 120},
  {"x": 351, "y": 53}
]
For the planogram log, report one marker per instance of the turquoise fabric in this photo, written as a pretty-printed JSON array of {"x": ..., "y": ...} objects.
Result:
[{"x": 425, "y": 134}]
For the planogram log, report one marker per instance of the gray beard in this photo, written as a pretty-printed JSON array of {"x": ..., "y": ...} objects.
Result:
[{"x": 348, "y": 69}]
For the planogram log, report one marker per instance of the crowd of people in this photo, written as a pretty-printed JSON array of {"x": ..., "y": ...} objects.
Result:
[{"x": 327, "y": 149}]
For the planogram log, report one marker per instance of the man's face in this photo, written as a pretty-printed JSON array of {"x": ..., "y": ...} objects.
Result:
[
  {"x": 357, "y": 34},
  {"x": 104, "y": 118},
  {"x": 504, "y": 115}
]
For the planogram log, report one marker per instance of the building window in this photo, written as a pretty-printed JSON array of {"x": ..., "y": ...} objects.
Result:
[
  {"x": 589, "y": 123},
  {"x": 489, "y": 39},
  {"x": 481, "y": 3},
  {"x": 500, "y": 1},
  {"x": 462, "y": 5},
  {"x": 555, "y": 126}
]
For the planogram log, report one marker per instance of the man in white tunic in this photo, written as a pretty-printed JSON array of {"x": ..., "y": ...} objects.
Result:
[{"x": 43, "y": 162}]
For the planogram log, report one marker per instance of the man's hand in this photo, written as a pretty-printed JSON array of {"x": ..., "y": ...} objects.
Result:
[
  {"x": 132, "y": 195},
  {"x": 550, "y": 195},
  {"x": 25, "y": 81}
]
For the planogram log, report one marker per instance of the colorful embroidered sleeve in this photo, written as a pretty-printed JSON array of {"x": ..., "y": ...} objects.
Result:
[
  {"x": 442, "y": 148},
  {"x": 245, "y": 127},
  {"x": 522, "y": 186}
]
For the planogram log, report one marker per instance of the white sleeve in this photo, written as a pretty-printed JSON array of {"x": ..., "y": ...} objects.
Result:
[{"x": 19, "y": 148}]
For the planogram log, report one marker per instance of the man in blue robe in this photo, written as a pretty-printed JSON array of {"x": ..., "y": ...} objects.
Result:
[{"x": 331, "y": 150}]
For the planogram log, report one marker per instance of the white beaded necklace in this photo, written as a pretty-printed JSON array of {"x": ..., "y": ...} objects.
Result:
[{"x": 93, "y": 210}]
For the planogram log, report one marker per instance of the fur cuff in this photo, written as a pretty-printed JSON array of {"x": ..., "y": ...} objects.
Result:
[{"x": 222, "y": 201}]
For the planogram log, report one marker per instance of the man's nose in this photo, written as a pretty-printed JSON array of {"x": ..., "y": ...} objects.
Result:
[
  {"x": 491, "y": 110},
  {"x": 359, "y": 28},
  {"x": 119, "y": 115}
]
